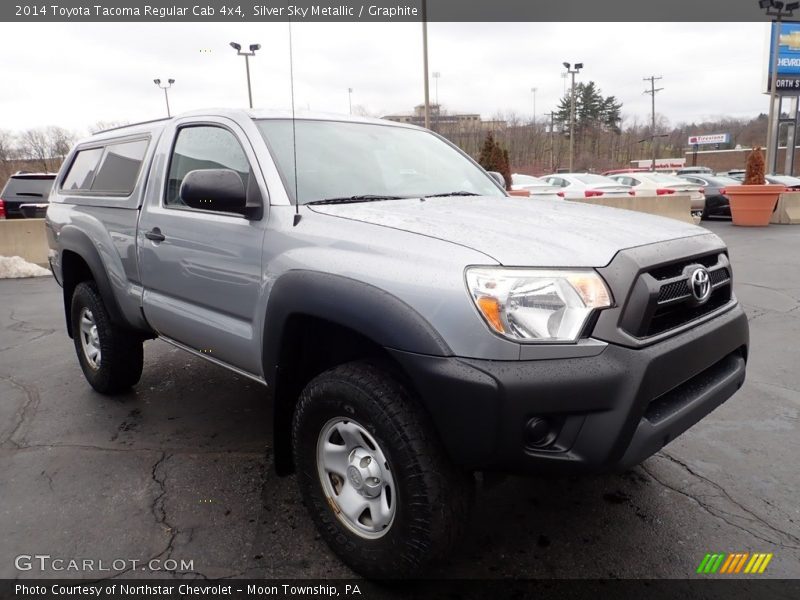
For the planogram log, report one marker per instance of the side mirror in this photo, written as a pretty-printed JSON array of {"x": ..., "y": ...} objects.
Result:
[
  {"x": 498, "y": 177},
  {"x": 219, "y": 190}
]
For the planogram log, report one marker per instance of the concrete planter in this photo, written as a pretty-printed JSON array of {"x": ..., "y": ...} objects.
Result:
[{"x": 752, "y": 205}]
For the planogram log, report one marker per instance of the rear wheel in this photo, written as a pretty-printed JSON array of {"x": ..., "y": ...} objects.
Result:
[
  {"x": 111, "y": 358},
  {"x": 373, "y": 474}
]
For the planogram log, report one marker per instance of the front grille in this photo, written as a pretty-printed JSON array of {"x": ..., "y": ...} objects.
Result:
[{"x": 662, "y": 299}]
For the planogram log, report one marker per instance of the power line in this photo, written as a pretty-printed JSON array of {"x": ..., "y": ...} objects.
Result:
[{"x": 653, "y": 91}]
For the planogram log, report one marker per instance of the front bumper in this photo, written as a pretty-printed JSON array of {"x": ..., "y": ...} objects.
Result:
[{"x": 608, "y": 411}]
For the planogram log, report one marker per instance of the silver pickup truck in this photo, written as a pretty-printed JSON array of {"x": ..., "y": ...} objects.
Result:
[{"x": 411, "y": 322}]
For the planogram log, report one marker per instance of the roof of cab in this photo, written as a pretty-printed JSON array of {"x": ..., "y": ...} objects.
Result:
[{"x": 158, "y": 124}]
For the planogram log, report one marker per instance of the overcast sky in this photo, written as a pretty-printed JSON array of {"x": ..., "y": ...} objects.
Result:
[{"x": 75, "y": 74}]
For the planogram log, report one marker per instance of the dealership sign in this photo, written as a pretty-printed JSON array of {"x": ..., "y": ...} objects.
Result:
[
  {"x": 717, "y": 138},
  {"x": 788, "y": 57}
]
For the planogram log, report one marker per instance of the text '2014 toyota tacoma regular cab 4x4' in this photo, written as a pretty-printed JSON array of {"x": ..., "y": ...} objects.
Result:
[{"x": 413, "y": 323}]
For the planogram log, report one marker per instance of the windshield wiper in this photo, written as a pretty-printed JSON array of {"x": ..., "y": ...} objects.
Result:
[
  {"x": 352, "y": 199},
  {"x": 459, "y": 193}
]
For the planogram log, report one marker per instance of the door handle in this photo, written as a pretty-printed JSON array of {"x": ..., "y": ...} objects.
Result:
[{"x": 155, "y": 235}]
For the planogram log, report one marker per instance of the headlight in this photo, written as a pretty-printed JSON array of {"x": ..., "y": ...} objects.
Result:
[{"x": 537, "y": 305}]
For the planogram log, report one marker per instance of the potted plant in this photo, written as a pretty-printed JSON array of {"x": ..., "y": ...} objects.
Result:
[{"x": 752, "y": 202}]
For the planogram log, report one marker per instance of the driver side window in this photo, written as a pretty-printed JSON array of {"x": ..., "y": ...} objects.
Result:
[{"x": 203, "y": 147}]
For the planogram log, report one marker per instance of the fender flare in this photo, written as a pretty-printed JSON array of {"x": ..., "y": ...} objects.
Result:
[
  {"x": 366, "y": 309},
  {"x": 75, "y": 240}
]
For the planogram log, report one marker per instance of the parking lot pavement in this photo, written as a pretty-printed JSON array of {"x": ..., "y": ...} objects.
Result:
[{"x": 180, "y": 467}]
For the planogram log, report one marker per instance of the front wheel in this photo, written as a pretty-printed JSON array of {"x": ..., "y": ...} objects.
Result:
[
  {"x": 111, "y": 358},
  {"x": 373, "y": 474}
]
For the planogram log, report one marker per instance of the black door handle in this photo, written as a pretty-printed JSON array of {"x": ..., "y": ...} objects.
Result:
[{"x": 155, "y": 235}]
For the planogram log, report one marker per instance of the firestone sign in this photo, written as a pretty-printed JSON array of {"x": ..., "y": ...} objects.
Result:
[{"x": 717, "y": 138}]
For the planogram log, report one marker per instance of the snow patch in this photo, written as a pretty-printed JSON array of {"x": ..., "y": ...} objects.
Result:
[{"x": 12, "y": 267}]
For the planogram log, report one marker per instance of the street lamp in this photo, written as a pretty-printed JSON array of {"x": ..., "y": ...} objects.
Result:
[
  {"x": 573, "y": 72},
  {"x": 350, "y": 99},
  {"x": 533, "y": 91},
  {"x": 165, "y": 88},
  {"x": 247, "y": 55},
  {"x": 778, "y": 10}
]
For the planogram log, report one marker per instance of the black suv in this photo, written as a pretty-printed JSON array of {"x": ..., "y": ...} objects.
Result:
[{"x": 26, "y": 188}]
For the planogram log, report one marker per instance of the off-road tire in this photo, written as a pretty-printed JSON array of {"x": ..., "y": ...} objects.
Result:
[
  {"x": 433, "y": 496},
  {"x": 122, "y": 354}
]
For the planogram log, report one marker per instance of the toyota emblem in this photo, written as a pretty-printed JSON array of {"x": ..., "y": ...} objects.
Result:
[{"x": 700, "y": 283}]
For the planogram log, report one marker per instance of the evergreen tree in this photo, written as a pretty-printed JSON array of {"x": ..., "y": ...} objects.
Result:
[{"x": 494, "y": 158}]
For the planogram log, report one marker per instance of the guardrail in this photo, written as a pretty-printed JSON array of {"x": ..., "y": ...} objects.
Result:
[{"x": 25, "y": 238}]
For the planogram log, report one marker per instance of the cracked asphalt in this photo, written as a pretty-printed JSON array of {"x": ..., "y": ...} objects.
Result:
[{"x": 180, "y": 468}]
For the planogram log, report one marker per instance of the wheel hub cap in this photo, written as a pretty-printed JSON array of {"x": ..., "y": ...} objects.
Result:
[
  {"x": 90, "y": 339},
  {"x": 356, "y": 478}
]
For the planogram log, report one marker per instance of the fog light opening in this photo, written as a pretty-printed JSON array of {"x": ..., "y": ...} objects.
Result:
[{"x": 539, "y": 433}]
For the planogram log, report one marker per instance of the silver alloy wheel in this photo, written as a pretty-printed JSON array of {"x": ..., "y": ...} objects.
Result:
[
  {"x": 90, "y": 341},
  {"x": 356, "y": 478}
]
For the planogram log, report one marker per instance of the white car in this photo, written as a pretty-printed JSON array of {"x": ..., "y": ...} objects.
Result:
[
  {"x": 659, "y": 184},
  {"x": 587, "y": 185},
  {"x": 537, "y": 188}
]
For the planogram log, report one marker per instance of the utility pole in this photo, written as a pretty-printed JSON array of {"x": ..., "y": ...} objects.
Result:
[
  {"x": 573, "y": 72},
  {"x": 425, "y": 63},
  {"x": 552, "y": 116},
  {"x": 534, "y": 90},
  {"x": 653, "y": 91}
]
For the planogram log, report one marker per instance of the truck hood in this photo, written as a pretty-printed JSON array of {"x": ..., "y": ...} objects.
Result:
[{"x": 520, "y": 231}]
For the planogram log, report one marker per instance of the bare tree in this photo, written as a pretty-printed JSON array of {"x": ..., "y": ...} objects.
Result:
[
  {"x": 46, "y": 146},
  {"x": 34, "y": 146}
]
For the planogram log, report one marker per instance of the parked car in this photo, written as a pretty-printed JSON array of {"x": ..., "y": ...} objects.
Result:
[
  {"x": 693, "y": 171},
  {"x": 717, "y": 203},
  {"x": 538, "y": 188},
  {"x": 734, "y": 173},
  {"x": 25, "y": 188},
  {"x": 659, "y": 184},
  {"x": 412, "y": 322},
  {"x": 791, "y": 182},
  {"x": 586, "y": 185}
]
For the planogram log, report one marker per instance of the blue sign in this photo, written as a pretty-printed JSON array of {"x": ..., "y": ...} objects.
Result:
[{"x": 788, "y": 56}]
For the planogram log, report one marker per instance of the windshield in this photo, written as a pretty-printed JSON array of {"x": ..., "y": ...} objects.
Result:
[{"x": 343, "y": 160}]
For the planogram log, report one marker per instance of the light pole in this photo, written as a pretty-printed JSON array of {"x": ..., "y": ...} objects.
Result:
[
  {"x": 247, "y": 55},
  {"x": 533, "y": 91},
  {"x": 425, "y": 64},
  {"x": 350, "y": 99},
  {"x": 573, "y": 72},
  {"x": 165, "y": 88},
  {"x": 778, "y": 10}
]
